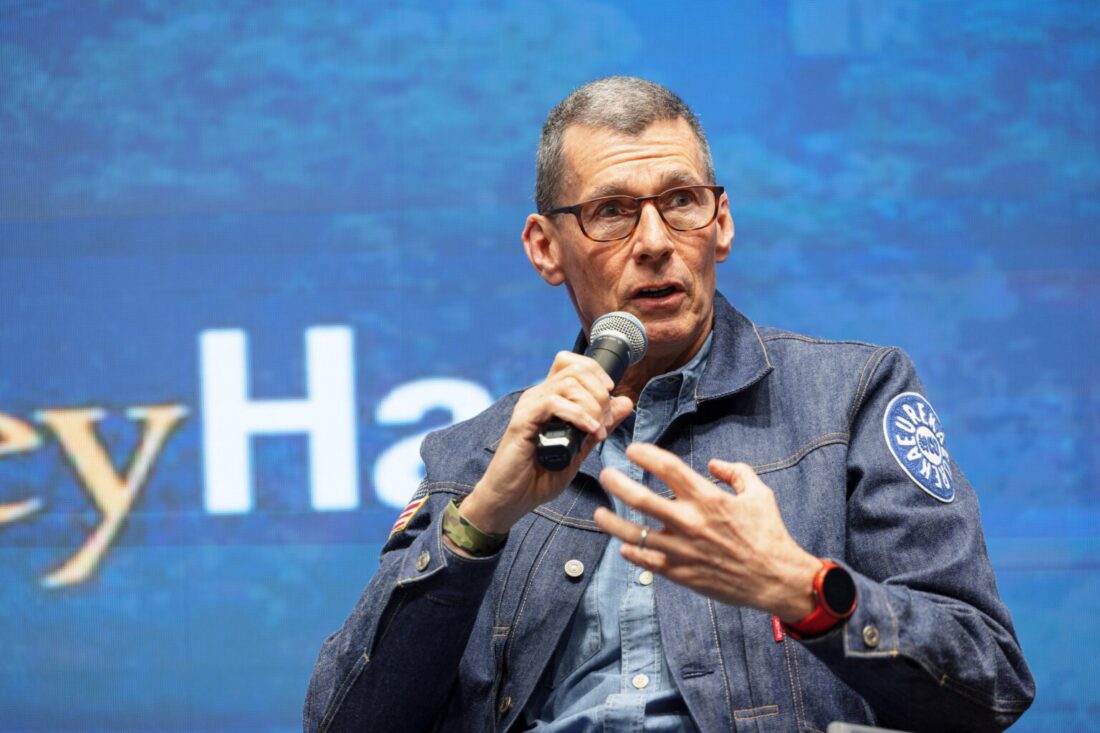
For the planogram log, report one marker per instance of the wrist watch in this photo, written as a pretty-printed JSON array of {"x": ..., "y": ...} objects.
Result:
[
  {"x": 835, "y": 600},
  {"x": 466, "y": 536}
]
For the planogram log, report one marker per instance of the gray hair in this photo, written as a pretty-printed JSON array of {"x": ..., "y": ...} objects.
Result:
[{"x": 624, "y": 104}]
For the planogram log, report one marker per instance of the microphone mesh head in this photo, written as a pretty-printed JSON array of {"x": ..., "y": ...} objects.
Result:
[{"x": 626, "y": 328}]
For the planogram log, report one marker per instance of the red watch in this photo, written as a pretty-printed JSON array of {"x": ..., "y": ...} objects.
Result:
[{"x": 835, "y": 599}]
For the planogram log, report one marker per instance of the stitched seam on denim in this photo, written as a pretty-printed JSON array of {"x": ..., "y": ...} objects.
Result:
[
  {"x": 568, "y": 521},
  {"x": 721, "y": 660},
  {"x": 818, "y": 442},
  {"x": 1000, "y": 704},
  {"x": 865, "y": 381},
  {"x": 767, "y": 358},
  {"x": 691, "y": 446},
  {"x": 526, "y": 590},
  {"x": 893, "y": 623},
  {"x": 801, "y": 697},
  {"x": 342, "y": 692},
  {"x": 762, "y": 711},
  {"x": 857, "y": 397},
  {"x": 444, "y": 485},
  {"x": 353, "y": 675},
  {"x": 508, "y": 576},
  {"x": 796, "y": 692},
  {"x": 811, "y": 340},
  {"x": 768, "y": 364}
]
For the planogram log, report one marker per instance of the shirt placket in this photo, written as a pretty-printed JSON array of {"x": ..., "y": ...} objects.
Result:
[{"x": 643, "y": 660}]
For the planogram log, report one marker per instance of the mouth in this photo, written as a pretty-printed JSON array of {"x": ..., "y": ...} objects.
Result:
[
  {"x": 658, "y": 297},
  {"x": 658, "y": 291}
]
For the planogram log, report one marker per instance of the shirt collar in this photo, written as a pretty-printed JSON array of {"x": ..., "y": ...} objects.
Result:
[{"x": 732, "y": 359}]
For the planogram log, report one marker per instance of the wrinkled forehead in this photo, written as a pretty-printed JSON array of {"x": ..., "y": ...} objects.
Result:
[{"x": 601, "y": 161}]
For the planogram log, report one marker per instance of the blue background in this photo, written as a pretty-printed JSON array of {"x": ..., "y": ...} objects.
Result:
[{"x": 924, "y": 174}]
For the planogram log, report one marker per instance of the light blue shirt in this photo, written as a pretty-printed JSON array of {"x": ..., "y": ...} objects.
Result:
[{"x": 610, "y": 675}]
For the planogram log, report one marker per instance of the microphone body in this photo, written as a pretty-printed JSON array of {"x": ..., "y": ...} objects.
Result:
[{"x": 616, "y": 341}]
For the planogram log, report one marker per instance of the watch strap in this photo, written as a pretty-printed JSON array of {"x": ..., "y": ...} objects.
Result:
[
  {"x": 822, "y": 618},
  {"x": 466, "y": 536}
]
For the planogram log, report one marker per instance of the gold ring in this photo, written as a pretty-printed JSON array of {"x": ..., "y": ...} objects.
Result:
[{"x": 641, "y": 540}]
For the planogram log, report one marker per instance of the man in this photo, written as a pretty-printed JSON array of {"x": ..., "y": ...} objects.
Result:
[{"x": 762, "y": 531}]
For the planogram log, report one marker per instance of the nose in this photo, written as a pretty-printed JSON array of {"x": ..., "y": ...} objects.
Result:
[{"x": 652, "y": 239}]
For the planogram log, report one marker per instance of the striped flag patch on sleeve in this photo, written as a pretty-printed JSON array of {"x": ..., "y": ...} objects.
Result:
[{"x": 407, "y": 514}]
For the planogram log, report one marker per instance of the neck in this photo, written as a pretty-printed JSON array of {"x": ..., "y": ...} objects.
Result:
[{"x": 654, "y": 365}]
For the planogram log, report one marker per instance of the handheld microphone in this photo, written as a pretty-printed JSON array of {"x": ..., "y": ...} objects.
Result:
[{"x": 617, "y": 340}]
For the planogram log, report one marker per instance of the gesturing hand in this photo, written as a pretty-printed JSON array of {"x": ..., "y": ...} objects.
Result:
[{"x": 733, "y": 548}]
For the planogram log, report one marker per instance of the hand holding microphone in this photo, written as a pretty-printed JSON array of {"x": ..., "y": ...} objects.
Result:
[
  {"x": 616, "y": 341},
  {"x": 556, "y": 421}
]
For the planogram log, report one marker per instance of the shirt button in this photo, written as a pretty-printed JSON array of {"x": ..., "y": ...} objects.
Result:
[
  {"x": 574, "y": 569},
  {"x": 640, "y": 681},
  {"x": 870, "y": 636},
  {"x": 645, "y": 577},
  {"x": 423, "y": 560},
  {"x": 505, "y": 704}
]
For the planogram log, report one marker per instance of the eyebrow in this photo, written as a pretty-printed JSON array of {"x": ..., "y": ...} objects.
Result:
[{"x": 673, "y": 180}]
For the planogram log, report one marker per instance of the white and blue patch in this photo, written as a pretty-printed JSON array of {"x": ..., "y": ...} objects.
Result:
[{"x": 914, "y": 436}]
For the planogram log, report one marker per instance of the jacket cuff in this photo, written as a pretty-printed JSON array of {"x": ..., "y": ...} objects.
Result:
[
  {"x": 871, "y": 631},
  {"x": 429, "y": 566}
]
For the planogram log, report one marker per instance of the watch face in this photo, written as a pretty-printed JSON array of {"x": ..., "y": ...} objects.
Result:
[{"x": 838, "y": 590}]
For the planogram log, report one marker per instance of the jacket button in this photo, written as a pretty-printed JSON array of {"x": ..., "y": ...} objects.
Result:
[
  {"x": 574, "y": 569},
  {"x": 870, "y": 636},
  {"x": 640, "y": 681},
  {"x": 423, "y": 560},
  {"x": 645, "y": 577},
  {"x": 505, "y": 704}
]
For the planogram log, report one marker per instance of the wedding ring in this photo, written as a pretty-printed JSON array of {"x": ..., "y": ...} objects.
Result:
[{"x": 641, "y": 540}]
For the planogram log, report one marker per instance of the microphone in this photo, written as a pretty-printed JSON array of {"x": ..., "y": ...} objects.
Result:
[{"x": 617, "y": 340}]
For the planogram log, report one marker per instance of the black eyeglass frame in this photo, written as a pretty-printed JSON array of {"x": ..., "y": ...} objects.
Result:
[{"x": 575, "y": 210}]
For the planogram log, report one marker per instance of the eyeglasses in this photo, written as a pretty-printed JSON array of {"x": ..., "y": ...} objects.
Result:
[{"x": 610, "y": 218}]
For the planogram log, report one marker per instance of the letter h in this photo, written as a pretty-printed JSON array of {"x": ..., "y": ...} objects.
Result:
[{"x": 326, "y": 415}]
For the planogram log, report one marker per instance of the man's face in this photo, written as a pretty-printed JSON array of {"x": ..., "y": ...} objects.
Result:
[{"x": 664, "y": 277}]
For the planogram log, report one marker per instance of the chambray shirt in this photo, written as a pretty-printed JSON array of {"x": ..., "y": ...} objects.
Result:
[{"x": 610, "y": 674}]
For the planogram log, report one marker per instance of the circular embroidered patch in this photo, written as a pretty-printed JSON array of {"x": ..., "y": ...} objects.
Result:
[{"x": 915, "y": 438}]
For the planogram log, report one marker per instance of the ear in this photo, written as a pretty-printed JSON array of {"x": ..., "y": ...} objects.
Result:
[
  {"x": 541, "y": 247},
  {"x": 725, "y": 230}
]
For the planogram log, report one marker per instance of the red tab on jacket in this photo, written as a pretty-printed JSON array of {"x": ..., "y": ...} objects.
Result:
[{"x": 777, "y": 628}]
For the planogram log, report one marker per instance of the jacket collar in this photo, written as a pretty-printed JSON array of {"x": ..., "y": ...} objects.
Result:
[
  {"x": 737, "y": 361},
  {"x": 738, "y": 358}
]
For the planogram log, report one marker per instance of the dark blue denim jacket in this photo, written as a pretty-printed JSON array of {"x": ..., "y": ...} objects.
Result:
[{"x": 442, "y": 642}]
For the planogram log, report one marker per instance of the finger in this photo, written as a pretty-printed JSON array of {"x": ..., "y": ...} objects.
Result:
[
  {"x": 684, "y": 482},
  {"x": 578, "y": 393},
  {"x": 593, "y": 378},
  {"x": 647, "y": 558},
  {"x": 631, "y": 536},
  {"x": 621, "y": 406},
  {"x": 566, "y": 359},
  {"x": 590, "y": 441},
  {"x": 611, "y": 523},
  {"x": 672, "y": 548},
  {"x": 739, "y": 476},
  {"x": 586, "y": 386},
  {"x": 569, "y": 411},
  {"x": 639, "y": 497}
]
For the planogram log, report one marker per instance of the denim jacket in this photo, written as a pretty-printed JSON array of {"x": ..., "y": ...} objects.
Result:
[{"x": 441, "y": 642}]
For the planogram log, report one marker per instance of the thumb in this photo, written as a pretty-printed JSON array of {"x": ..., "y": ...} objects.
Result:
[{"x": 621, "y": 406}]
